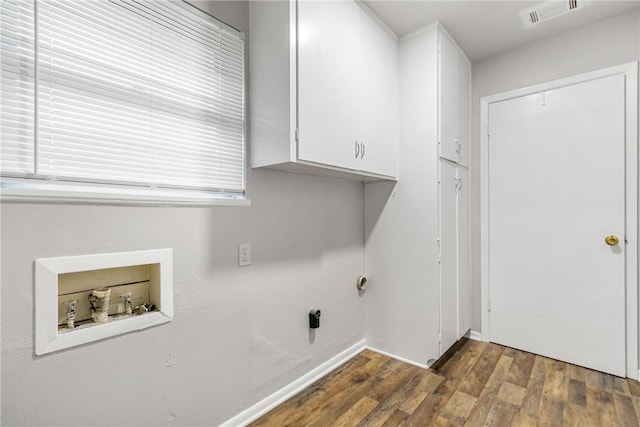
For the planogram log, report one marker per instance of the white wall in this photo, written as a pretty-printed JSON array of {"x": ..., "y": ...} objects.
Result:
[
  {"x": 611, "y": 42},
  {"x": 401, "y": 221},
  {"x": 238, "y": 335}
]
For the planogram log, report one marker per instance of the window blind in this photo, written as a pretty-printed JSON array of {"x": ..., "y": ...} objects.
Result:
[
  {"x": 137, "y": 93},
  {"x": 17, "y": 87}
]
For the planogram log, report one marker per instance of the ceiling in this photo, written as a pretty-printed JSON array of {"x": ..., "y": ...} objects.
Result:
[{"x": 484, "y": 28}]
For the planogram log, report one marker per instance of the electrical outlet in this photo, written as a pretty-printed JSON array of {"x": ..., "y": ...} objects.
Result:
[{"x": 244, "y": 254}]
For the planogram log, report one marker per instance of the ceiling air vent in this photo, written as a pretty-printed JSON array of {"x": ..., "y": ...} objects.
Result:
[{"x": 548, "y": 10}]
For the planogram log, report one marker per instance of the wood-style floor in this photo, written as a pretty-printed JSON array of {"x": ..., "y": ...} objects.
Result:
[{"x": 480, "y": 385}]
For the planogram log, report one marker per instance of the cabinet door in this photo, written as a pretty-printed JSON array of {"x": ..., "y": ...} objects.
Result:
[
  {"x": 448, "y": 256},
  {"x": 464, "y": 248},
  {"x": 328, "y": 82},
  {"x": 449, "y": 119},
  {"x": 464, "y": 125},
  {"x": 379, "y": 99}
]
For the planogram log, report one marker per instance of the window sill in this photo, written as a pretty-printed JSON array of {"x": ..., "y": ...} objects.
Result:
[{"x": 71, "y": 194}]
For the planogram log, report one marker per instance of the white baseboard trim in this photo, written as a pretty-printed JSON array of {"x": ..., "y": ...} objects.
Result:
[
  {"x": 475, "y": 335},
  {"x": 268, "y": 403},
  {"x": 402, "y": 359}
]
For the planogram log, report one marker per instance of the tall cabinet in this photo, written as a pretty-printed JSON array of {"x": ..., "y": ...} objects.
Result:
[
  {"x": 454, "y": 72},
  {"x": 417, "y": 231}
]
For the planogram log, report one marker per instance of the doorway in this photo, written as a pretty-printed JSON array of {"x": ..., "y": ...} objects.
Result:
[{"x": 559, "y": 220}]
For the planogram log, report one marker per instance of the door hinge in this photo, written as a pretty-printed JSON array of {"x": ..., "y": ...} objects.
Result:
[
  {"x": 297, "y": 135},
  {"x": 488, "y": 304},
  {"x": 440, "y": 339}
]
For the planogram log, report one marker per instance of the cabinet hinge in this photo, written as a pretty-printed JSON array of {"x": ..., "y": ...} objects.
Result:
[
  {"x": 488, "y": 304},
  {"x": 440, "y": 339},
  {"x": 297, "y": 135}
]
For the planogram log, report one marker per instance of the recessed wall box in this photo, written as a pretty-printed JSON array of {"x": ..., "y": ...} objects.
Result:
[{"x": 80, "y": 299}]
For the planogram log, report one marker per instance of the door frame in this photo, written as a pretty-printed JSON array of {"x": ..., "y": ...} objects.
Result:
[{"x": 630, "y": 71}]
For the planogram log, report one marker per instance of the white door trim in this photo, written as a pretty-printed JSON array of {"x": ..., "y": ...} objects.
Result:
[{"x": 630, "y": 71}]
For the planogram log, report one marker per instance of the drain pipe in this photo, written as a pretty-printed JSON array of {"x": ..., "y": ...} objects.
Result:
[{"x": 99, "y": 300}]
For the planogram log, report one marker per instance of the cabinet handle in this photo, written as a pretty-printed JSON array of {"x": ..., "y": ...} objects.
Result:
[
  {"x": 460, "y": 185},
  {"x": 459, "y": 148},
  {"x": 363, "y": 150},
  {"x": 357, "y": 149}
]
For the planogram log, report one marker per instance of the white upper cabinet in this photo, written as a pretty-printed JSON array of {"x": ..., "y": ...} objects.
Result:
[
  {"x": 378, "y": 108},
  {"x": 454, "y": 75},
  {"x": 328, "y": 85},
  {"x": 324, "y": 92},
  {"x": 464, "y": 109},
  {"x": 448, "y": 98}
]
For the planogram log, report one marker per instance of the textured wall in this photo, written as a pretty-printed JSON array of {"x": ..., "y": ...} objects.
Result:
[
  {"x": 238, "y": 335},
  {"x": 401, "y": 221}
]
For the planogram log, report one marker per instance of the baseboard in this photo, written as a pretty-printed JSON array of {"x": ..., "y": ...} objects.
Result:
[
  {"x": 402, "y": 359},
  {"x": 475, "y": 335},
  {"x": 268, "y": 403}
]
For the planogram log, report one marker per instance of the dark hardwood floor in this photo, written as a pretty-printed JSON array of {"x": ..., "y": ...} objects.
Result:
[{"x": 481, "y": 384}]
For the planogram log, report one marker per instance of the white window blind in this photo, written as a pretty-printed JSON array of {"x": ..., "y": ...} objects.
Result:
[
  {"x": 142, "y": 93},
  {"x": 17, "y": 87}
]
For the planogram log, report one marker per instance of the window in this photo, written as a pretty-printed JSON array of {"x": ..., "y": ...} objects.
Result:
[{"x": 122, "y": 99}]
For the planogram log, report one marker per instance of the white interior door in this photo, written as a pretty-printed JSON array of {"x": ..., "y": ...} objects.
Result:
[{"x": 556, "y": 189}]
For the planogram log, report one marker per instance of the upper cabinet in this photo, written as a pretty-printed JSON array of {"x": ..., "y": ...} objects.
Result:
[
  {"x": 324, "y": 90},
  {"x": 379, "y": 108},
  {"x": 454, "y": 101}
]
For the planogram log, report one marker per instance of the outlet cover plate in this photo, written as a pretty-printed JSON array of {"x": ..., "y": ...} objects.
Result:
[{"x": 244, "y": 254}]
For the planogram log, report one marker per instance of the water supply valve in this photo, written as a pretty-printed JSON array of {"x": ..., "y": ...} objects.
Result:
[
  {"x": 128, "y": 309},
  {"x": 314, "y": 318},
  {"x": 71, "y": 313}
]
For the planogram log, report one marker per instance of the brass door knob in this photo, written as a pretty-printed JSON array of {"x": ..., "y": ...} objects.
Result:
[{"x": 611, "y": 240}]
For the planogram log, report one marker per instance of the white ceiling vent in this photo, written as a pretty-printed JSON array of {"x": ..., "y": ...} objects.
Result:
[{"x": 548, "y": 10}]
